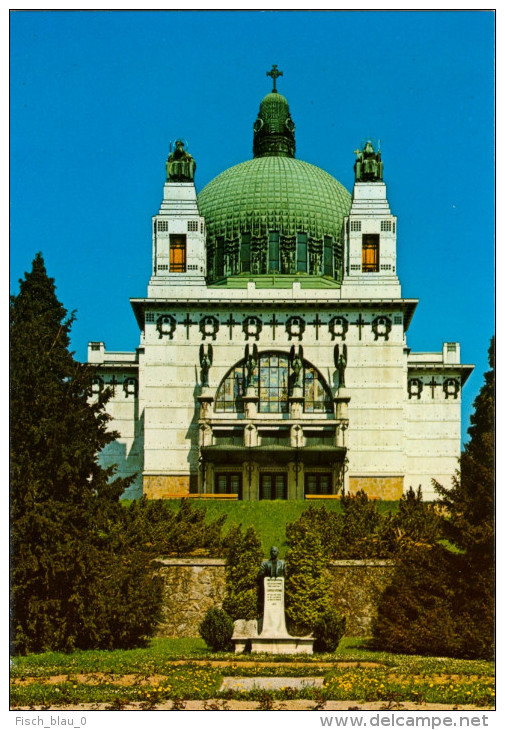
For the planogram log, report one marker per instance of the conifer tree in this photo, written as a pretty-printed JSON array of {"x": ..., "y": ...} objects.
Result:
[
  {"x": 72, "y": 566},
  {"x": 470, "y": 502},
  {"x": 243, "y": 553},
  {"x": 440, "y": 600}
]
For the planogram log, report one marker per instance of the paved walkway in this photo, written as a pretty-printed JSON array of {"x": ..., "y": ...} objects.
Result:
[{"x": 290, "y": 705}]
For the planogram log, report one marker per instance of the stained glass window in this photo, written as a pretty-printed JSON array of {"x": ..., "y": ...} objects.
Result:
[{"x": 272, "y": 381}]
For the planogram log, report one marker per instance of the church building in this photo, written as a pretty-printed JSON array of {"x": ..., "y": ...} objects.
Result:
[{"x": 273, "y": 360}]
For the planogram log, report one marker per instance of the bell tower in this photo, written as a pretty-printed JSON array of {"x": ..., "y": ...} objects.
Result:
[
  {"x": 370, "y": 231},
  {"x": 178, "y": 231}
]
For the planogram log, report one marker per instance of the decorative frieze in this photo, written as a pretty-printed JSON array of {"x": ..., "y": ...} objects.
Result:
[
  {"x": 252, "y": 327},
  {"x": 209, "y": 327},
  {"x": 295, "y": 327},
  {"x": 381, "y": 327},
  {"x": 451, "y": 388},
  {"x": 131, "y": 387},
  {"x": 415, "y": 387},
  {"x": 338, "y": 327},
  {"x": 165, "y": 324}
]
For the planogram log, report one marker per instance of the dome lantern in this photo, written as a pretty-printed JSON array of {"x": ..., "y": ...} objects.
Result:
[
  {"x": 274, "y": 218},
  {"x": 274, "y": 130}
]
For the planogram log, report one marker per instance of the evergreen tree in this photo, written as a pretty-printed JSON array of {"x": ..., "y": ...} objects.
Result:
[
  {"x": 440, "y": 600},
  {"x": 243, "y": 557},
  {"x": 308, "y": 585},
  {"x": 72, "y": 569},
  {"x": 469, "y": 504}
]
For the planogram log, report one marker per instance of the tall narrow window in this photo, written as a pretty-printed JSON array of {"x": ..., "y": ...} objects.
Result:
[
  {"x": 301, "y": 252},
  {"x": 328, "y": 256},
  {"x": 273, "y": 252},
  {"x": 245, "y": 252},
  {"x": 220, "y": 256},
  {"x": 370, "y": 247},
  {"x": 177, "y": 253}
]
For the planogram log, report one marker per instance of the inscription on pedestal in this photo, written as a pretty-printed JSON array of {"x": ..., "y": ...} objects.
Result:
[{"x": 274, "y": 622}]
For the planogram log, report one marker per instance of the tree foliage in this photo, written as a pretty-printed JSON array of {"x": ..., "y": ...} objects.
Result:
[
  {"x": 164, "y": 531},
  {"x": 328, "y": 629},
  {"x": 77, "y": 579},
  {"x": 435, "y": 605},
  {"x": 470, "y": 502},
  {"x": 441, "y": 601},
  {"x": 243, "y": 553},
  {"x": 308, "y": 587}
]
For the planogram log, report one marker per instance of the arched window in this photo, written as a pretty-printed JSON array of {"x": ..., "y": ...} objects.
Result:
[{"x": 273, "y": 383}]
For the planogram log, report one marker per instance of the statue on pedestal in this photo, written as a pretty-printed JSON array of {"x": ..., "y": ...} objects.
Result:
[
  {"x": 296, "y": 359},
  {"x": 180, "y": 164},
  {"x": 251, "y": 361},
  {"x": 273, "y": 637},
  {"x": 273, "y": 568},
  {"x": 368, "y": 166}
]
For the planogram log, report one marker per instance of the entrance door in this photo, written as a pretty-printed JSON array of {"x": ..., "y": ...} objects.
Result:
[{"x": 273, "y": 486}]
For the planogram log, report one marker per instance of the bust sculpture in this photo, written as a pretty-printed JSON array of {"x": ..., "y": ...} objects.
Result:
[{"x": 273, "y": 568}]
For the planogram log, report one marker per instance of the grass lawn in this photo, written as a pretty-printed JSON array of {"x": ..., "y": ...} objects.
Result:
[
  {"x": 184, "y": 669},
  {"x": 269, "y": 517}
]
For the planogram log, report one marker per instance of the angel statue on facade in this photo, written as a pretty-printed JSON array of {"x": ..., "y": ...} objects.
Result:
[
  {"x": 296, "y": 360},
  {"x": 340, "y": 359},
  {"x": 205, "y": 363},
  {"x": 251, "y": 361}
]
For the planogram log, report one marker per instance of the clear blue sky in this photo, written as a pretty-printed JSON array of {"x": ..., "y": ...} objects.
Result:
[{"x": 96, "y": 98}]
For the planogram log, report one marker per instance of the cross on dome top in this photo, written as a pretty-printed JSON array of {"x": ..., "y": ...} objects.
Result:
[{"x": 274, "y": 73}]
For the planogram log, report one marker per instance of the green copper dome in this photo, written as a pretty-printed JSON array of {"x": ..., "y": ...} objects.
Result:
[
  {"x": 274, "y": 194},
  {"x": 274, "y": 214}
]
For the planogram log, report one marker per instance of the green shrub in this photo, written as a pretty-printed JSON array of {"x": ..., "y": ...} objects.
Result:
[
  {"x": 216, "y": 629},
  {"x": 415, "y": 523},
  {"x": 432, "y": 608},
  {"x": 243, "y": 558},
  {"x": 165, "y": 531},
  {"x": 328, "y": 630},
  {"x": 308, "y": 587}
]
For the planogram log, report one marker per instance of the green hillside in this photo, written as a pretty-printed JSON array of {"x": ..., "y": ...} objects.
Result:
[{"x": 269, "y": 517}]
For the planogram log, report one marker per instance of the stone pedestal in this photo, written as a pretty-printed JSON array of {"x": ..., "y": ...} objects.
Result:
[
  {"x": 341, "y": 400},
  {"x": 274, "y": 638},
  {"x": 296, "y": 400},
  {"x": 251, "y": 399},
  {"x": 205, "y": 399},
  {"x": 274, "y": 621}
]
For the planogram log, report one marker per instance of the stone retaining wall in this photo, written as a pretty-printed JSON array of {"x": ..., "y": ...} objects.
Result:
[
  {"x": 193, "y": 585},
  {"x": 357, "y": 587}
]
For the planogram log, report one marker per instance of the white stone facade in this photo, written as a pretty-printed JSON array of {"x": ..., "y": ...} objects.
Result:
[{"x": 394, "y": 424}]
